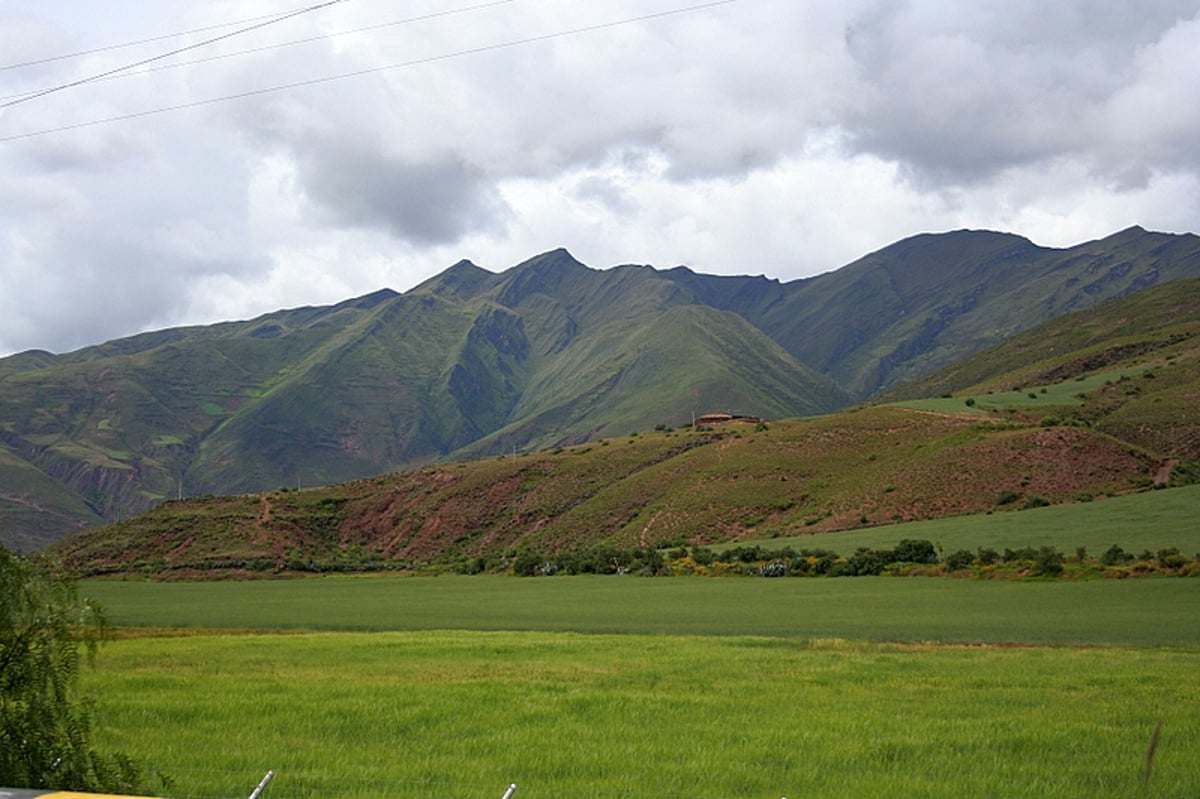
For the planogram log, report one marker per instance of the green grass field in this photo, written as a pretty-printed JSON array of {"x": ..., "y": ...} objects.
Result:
[
  {"x": 452, "y": 687},
  {"x": 1135, "y": 612},
  {"x": 1065, "y": 393},
  {"x": 460, "y": 715},
  {"x": 1150, "y": 520}
]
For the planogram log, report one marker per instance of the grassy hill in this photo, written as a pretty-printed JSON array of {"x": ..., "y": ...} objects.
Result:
[
  {"x": 932, "y": 300},
  {"x": 800, "y": 477},
  {"x": 1104, "y": 406},
  {"x": 1129, "y": 368},
  {"x": 549, "y": 353}
]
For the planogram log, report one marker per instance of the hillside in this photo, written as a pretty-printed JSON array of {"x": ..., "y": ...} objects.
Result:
[
  {"x": 1145, "y": 347},
  {"x": 548, "y": 353},
  {"x": 1095, "y": 404},
  {"x": 662, "y": 488},
  {"x": 934, "y": 299}
]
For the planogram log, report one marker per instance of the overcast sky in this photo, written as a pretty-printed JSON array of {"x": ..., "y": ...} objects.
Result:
[{"x": 775, "y": 137}]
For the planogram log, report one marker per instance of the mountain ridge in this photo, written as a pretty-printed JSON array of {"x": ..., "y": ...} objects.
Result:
[
  {"x": 472, "y": 362},
  {"x": 1095, "y": 404}
]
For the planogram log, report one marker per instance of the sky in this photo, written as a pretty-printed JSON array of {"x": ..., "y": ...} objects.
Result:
[{"x": 318, "y": 151}]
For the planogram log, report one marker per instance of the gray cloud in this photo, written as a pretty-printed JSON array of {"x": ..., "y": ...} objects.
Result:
[
  {"x": 960, "y": 94},
  {"x": 426, "y": 203}
]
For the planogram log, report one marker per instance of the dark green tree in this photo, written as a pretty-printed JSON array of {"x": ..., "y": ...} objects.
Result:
[
  {"x": 45, "y": 724},
  {"x": 961, "y": 559},
  {"x": 1048, "y": 562},
  {"x": 918, "y": 550}
]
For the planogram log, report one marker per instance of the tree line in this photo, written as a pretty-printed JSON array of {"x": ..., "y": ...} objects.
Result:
[{"x": 908, "y": 557}]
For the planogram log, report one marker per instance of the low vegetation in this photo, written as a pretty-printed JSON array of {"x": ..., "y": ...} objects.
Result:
[
  {"x": 1038, "y": 478},
  {"x": 46, "y": 722}
]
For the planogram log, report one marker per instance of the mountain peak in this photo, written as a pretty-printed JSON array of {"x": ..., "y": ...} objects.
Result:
[
  {"x": 558, "y": 257},
  {"x": 462, "y": 279},
  {"x": 542, "y": 274}
]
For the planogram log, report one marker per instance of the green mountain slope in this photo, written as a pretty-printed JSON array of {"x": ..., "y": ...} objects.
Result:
[
  {"x": 1144, "y": 348},
  {"x": 1096, "y": 403},
  {"x": 545, "y": 354},
  {"x": 471, "y": 362},
  {"x": 930, "y": 300}
]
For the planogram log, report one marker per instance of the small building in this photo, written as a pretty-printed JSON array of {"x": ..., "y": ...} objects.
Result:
[{"x": 724, "y": 418}]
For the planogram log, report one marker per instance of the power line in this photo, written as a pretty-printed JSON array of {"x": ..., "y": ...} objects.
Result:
[
  {"x": 143, "y": 62},
  {"x": 309, "y": 40},
  {"x": 359, "y": 73},
  {"x": 123, "y": 45}
]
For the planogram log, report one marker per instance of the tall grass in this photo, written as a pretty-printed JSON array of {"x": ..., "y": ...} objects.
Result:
[{"x": 460, "y": 715}]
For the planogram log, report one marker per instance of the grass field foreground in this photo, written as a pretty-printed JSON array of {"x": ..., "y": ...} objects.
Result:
[{"x": 460, "y": 715}]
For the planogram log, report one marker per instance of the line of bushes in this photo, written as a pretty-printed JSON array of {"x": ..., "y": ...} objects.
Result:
[{"x": 908, "y": 557}]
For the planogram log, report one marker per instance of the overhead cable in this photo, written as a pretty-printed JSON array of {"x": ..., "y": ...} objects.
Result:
[
  {"x": 121, "y": 46},
  {"x": 81, "y": 81},
  {"x": 309, "y": 40},
  {"x": 358, "y": 73}
]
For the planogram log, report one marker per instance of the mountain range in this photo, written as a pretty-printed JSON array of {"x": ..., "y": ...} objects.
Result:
[
  {"x": 1091, "y": 405},
  {"x": 549, "y": 353}
]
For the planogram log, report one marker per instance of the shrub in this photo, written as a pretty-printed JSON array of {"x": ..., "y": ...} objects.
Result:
[
  {"x": 1022, "y": 554},
  {"x": 867, "y": 561},
  {"x": 1170, "y": 558},
  {"x": 915, "y": 551},
  {"x": 962, "y": 559},
  {"x": 1007, "y": 497},
  {"x": 825, "y": 563},
  {"x": 987, "y": 556},
  {"x": 1048, "y": 562},
  {"x": 1114, "y": 556}
]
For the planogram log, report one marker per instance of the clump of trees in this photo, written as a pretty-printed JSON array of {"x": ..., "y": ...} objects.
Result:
[
  {"x": 47, "y": 631},
  {"x": 597, "y": 559}
]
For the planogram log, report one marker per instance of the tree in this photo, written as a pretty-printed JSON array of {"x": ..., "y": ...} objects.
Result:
[
  {"x": 962, "y": 559},
  {"x": 919, "y": 550},
  {"x": 1048, "y": 562},
  {"x": 45, "y": 724}
]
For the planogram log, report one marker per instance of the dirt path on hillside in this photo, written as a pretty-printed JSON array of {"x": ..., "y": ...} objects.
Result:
[
  {"x": 264, "y": 518},
  {"x": 645, "y": 539}
]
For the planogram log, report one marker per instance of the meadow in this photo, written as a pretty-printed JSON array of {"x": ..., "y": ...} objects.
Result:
[
  {"x": 1063, "y": 393},
  {"x": 461, "y": 714},
  {"x": 453, "y": 687},
  {"x": 1134, "y": 612},
  {"x": 1149, "y": 520}
]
